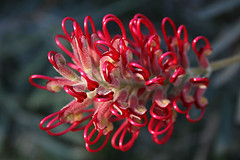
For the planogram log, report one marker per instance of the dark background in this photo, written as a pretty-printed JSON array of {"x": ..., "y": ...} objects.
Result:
[{"x": 27, "y": 31}]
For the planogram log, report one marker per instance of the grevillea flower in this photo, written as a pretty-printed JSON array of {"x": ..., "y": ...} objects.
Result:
[{"x": 111, "y": 78}]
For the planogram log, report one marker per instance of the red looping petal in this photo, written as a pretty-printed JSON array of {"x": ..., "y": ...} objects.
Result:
[
  {"x": 142, "y": 123},
  {"x": 188, "y": 116},
  {"x": 160, "y": 113},
  {"x": 109, "y": 18},
  {"x": 123, "y": 130},
  {"x": 36, "y": 76},
  {"x": 150, "y": 48},
  {"x": 107, "y": 68},
  {"x": 200, "y": 101},
  {"x": 72, "y": 126},
  {"x": 104, "y": 98},
  {"x": 165, "y": 138},
  {"x": 135, "y": 28},
  {"x": 123, "y": 49},
  {"x": 159, "y": 80},
  {"x": 70, "y": 54},
  {"x": 147, "y": 24},
  {"x": 179, "y": 71},
  {"x": 151, "y": 26},
  {"x": 175, "y": 106},
  {"x": 200, "y": 81},
  {"x": 195, "y": 41},
  {"x": 100, "y": 35},
  {"x": 76, "y": 30},
  {"x": 88, "y": 36},
  {"x": 139, "y": 123},
  {"x": 88, "y": 138},
  {"x": 111, "y": 52},
  {"x": 137, "y": 68},
  {"x": 181, "y": 42},
  {"x": 186, "y": 98},
  {"x": 170, "y": 60},
  {"x": 82, "y": 120},
  {"x": 79, "y": 95},
  {"x": 72, "y": 65},
  {"x": 158, "y": 130},
  {"x": 55, "y": 123},
  {"x": 165, "y": 36},
  {"x": 118, "y": 111},
  {"x": 101, "y": 147},
  {"x": 55, "y": 115},
  {"x": 51, "y": 54},
  {"x": 203, "y": 52},
  {"x": 91, "y": 85}
]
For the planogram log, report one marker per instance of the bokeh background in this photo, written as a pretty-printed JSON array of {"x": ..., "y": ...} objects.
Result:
[{"x": 27, "y": 30}]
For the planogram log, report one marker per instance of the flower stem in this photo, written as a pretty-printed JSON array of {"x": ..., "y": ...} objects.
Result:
[
  {"x": 214, "y": 66},
  {"x": 225, "y": 62}
]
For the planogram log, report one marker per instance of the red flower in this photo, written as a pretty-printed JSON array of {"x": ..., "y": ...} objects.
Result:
[{"x": 119, "y": 76}]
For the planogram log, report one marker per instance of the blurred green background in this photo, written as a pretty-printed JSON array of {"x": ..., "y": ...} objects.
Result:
[{"x": 27, "y": 31}]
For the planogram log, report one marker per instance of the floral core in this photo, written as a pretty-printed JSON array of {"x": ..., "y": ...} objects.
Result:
[{"x": 111, "y": 78}]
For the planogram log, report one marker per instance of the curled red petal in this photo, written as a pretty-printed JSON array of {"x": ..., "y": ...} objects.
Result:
[
  {"x": 181, "y": 42},
  {"x": 79, "y": 95},
  {"x": 159, "y": 80},
  {"x": 195, "y": 41},
  {"x": 123, "y": 49},
  {"x": 123, "y": 130},
  {"x": 150, "y": 48},
  {"x": 88, "y": 138},
  {"x": 178, "y": 72},
  {"x": 64, "y": 27},
  {"x": 203, "y": 51},
  {"x": 200, "y": 81},
  {"x": 165, "y": 36},
  {"x": 55, "y": 115},
  {"x": 137, "y": 68},
  {"x": 147, "y": 23},
  {"x": 54, "y": 123},
  {"x": 88, "y": 18},
  {"x": 107, "y": 68},
  {"x": 133, "y": 30},
  {"x": 36, "y": 76},
  {"x": 141, "y": 123},
  {"x": 51, "y": 59},
  {"x": 118, "y": 111},
  {"x": 160, "y": 113},
  {"x": 175, "y": 105},
  {"x": 82, "y": 120},
  {"x": 188, "y": 116},
  {"x": 111, "y": 52},
  {"x": 105, "y": 97},
  {"x": 91, "y": 85},
  {"x": 155, "y": 130},
  {"x": 165, "y": 138},
  {"x": 183, "y": 29},
  {"x": 101, "y": 147},
  {"x": 62, "y": 132},
  {"x": 171, "y": 60},
  {"x": 107, "y": 19},
  {"x": 70, "y": 54}
]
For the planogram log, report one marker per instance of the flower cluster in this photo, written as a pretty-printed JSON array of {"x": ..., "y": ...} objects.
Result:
[{"x": 113, "y": 77}]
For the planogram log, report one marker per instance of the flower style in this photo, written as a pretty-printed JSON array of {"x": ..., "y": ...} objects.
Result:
[{"x": 112, "y": 79}]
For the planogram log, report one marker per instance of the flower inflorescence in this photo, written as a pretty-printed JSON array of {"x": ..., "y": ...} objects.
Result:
[{"x": 112, "y": 79}]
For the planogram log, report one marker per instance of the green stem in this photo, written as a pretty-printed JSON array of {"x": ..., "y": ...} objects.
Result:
[
  {"x": 216, "y": 65},
  {"x": 225, "y": 62}
]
